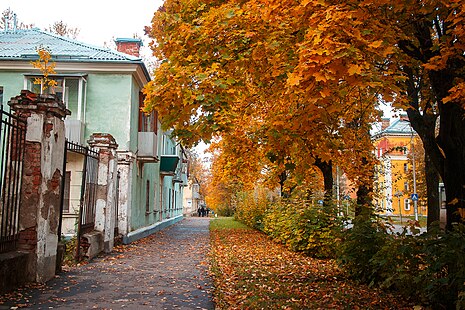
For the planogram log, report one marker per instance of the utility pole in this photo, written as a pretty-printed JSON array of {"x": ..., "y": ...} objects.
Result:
[
  {"x": 399, "y": 194},
  {"x": 415, "y": 201}
]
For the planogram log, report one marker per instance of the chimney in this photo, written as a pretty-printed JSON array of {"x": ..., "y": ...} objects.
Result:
[
  {"x": 128, "y": 46},
  {"x": 403, "y": 117},
  {"x": 385, "y": 122}
]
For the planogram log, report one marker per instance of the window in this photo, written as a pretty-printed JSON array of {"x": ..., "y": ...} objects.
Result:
[
  {"x": 66, "y": 191},
  {"x": 147, "y": 198},
  {"x": 405, "y": 187},
  {"x": 405, "y": 167},
  {"x": 407, "y": 204},
  {"x": 70, "y": 89},
  {"x": 147, "y": 122}
]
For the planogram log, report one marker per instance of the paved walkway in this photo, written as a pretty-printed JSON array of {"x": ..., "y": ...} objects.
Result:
[{"x": 164, "y": 271}]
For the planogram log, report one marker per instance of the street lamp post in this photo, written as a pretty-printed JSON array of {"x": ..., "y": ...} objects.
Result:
[{"x": 399, "y": 194}]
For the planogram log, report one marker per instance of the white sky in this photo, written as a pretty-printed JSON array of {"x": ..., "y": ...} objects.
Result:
[{"x": 99, "y": 21}]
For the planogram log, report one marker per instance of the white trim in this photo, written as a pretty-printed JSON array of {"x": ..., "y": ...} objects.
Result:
[
  {"x": 79, "y": 112},
  {"x": 89, "y": 67}
]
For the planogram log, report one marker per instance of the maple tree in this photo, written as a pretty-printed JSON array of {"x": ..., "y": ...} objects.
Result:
[
  {"x": 312, "y": 73},
  {"x": 46, "y": 67},
  {"x": 214, "y": 73},
  {"x": 197, "y": 172}
]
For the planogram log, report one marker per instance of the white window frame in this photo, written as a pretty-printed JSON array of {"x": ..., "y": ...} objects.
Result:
[{"x": 407, "y": 204}]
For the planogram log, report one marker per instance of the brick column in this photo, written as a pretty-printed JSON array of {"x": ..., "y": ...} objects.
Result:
[
  {"x": 43, "y": 164},
  {"x": 106, "y": 188}
]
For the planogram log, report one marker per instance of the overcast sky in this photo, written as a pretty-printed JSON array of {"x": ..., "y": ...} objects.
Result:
[{"x": 99, "y": 21}]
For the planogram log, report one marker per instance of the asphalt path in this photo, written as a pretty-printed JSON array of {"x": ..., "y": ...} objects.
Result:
[{"x": 167, "y": 270}]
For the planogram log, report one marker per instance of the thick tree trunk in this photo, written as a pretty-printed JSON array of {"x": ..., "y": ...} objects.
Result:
[
  {"x": 364, "y": 207},
  {"x": 451, "y": 139},
  {"x": 424, "y": 124},
  {"x": 326, "y": 169},
  {"x": 432, "y": 191},
  {"x": 452, "y": 142}
]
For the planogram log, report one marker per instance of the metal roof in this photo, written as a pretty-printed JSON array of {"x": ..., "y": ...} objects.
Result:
[
  {"x": 399, "y": 127},
  {"x": 22, "y": 44}
]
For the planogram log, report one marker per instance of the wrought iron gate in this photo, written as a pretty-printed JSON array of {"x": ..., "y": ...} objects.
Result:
[
  {"x": 88, "y": 192},
  {"x": 12, "y": 139}
]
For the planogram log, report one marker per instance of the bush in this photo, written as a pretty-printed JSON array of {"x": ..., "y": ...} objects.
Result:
[
  {"x": 251, "y": 207},
  {"x": 360, "y": 244},
  {"x": 303, "y": 227},
  {"x": 429, "y": 268},
  {"x": 224, "y": 210},
  {"x": 443, "y": 279}
]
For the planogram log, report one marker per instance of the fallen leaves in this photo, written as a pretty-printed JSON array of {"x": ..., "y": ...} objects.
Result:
[{"x": 251, "y": 271}]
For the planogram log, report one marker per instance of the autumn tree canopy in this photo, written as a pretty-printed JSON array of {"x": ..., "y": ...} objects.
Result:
[{"x": 307, "y": 76}]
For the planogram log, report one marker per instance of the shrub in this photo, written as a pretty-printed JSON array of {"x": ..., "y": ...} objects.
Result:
[
  {"x": 224, "y": 210},
  {"x": 360, "y": 244},
  {"x": 251, "y": 207},
  {"x": 443, "y": 279},
  {"x": 304, "y": 227}
]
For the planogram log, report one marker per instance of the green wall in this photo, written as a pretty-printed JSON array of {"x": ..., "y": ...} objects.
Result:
[
  {"x": 12, "y": 83},
  {"x": 112, "y": 107},
  {"x": 109, "y": 111}
]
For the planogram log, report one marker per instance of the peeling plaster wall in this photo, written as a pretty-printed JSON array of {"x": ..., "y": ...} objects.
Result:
[
  {"x": 53, "y": 140},
  {"x": 125, "y": 161},
  {"x": 40, "y": 197}
]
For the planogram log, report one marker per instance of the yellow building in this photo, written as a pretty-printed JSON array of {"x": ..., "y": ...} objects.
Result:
[{"x": 393, "y": 144}]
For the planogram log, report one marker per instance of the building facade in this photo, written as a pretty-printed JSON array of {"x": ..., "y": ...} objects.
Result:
[
  {"x": 393, "y": 144},
  {"x": 102, "y": 89}
]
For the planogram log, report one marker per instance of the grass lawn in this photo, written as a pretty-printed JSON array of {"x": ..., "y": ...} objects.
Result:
[
  {"x": 405, "y": 219},
  {"x": 251, "y": 271},
  {"x": 226, "y": 223}
]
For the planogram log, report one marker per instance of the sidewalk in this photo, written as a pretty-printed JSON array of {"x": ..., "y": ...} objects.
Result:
[{"x": 164, "y": 271}]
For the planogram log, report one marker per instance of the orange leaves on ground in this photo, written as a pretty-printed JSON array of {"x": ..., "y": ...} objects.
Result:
[{"x": 253, "y": 272}]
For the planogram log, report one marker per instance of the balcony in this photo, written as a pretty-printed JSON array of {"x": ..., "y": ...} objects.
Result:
[
  {"x": 74, "y": 131},
  {"x": 147, "y": 147},
  {"x": 168, "y": 165}
]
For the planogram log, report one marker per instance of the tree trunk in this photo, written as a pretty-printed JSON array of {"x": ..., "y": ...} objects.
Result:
[
  {"x": 364, "y": 207},
  {"x": 326, "y": 169},
  {"x": 451, "y": 139},
  {"x": 432, "y": 191}
]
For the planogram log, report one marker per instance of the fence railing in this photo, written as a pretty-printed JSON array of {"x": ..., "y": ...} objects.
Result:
[{"x": 12, "y": 140}]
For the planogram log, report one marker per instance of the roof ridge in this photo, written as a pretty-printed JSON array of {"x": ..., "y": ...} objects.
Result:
[{"x": 86, "y": 45}]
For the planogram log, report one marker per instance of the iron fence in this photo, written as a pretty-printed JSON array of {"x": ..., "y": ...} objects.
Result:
[{"x": 12, "y": 142}]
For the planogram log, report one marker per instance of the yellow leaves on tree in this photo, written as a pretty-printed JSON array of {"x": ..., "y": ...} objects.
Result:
[
  {"x": 46, "y": 67},
  {"x": 306, "y": 76}
]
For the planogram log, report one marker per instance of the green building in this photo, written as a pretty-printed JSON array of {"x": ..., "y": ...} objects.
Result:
[{"x": 102, "y": 88}]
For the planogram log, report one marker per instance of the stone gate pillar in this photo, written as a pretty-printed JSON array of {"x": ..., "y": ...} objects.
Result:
[
  {"x": 42, "y": 175},
  {"x": 105, "y": 213}
]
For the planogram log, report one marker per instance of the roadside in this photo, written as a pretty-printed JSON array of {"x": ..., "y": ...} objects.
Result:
[{"x": 167, "y": 270}]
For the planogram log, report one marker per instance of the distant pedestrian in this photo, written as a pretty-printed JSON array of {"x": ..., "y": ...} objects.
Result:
[
  {"x": 199, "y": 211},
  {"x": 203, "y": 211},
  {"x": 208, "y": 212}
]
